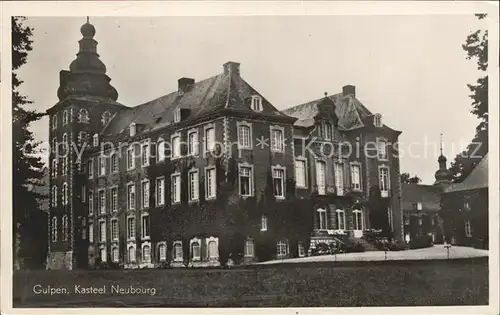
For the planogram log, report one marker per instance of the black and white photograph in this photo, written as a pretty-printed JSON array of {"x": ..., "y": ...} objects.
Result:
[{"x": 250, "y": 160}]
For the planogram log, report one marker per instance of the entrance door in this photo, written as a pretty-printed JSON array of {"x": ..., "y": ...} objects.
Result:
[{"x": 357, "y": 223}]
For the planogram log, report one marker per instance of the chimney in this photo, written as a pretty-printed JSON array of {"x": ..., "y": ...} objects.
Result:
[
  {"x": 349, "y": 89},
  {"x": 185, "y": 84},
  {"x": 231, "y": 67}
]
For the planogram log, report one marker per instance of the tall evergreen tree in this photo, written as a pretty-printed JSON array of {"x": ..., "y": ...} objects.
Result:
[
  {"x": 27, "y": 164},
  {"x": 476, "y": 47},
  {"x": 406, "y": 179}
]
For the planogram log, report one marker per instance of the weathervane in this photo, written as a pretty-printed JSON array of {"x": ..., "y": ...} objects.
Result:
[{"x": 441, "y": 143}]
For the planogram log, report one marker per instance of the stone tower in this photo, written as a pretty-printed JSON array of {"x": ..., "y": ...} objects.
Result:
[{"x": 86, "y": 102}]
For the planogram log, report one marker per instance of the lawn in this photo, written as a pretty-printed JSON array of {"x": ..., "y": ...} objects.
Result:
[{"x": 342, "y": 284}]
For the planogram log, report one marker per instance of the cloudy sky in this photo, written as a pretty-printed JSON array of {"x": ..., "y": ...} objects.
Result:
[{"x": 411, "y": 69}]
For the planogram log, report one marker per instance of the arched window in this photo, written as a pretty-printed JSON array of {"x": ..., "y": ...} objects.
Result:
[
  {"x": 65, "y": 233},
  {"x": 65, "y": 194},
  {"x": 105, "y": 117},
  {"x": 54, "y": 196},
  {"x": 102, "y": 254},
  {"x": 83, "y": 116},
  {"x": 115, "y": 254},
  {"x": 212, "y": 249},
  {"x": 131, "y": 254},
  {"x": 195, "y": 250},
  {"x": 146, "y": 253},
  {"x": 54, "y": 229},
  {"x": 178, "y": 251},
  {"x": 162, "y": 251},
  {"x": 160, "y": 151},
  {"x": 54, "y": 167},
  {"x": 249, "y": 247},
  {"x": 357, "y": 219},
  {"x": 54, "y": 122},
  {"x": 322, "y": 219},
  {"x": 65, "y": 118}
]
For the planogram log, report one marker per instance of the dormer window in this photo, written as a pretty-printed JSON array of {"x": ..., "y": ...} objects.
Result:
[
  {"x": 132, "y": 129},
  {"x": 325, "y": 131},
  {"x": 106, "y": 116},
  {"x": 96, "y": 140},
  {"x": 177, "y": 115},
  {"x": 256, "y": 103},
  {"x": 377, "y": 120}
]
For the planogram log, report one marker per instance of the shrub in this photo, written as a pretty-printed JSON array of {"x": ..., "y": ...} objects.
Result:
[
  {"x": 397, "y": 246},
  {"x": 321, "y": 249},
  {"x": 353, "y": 248},
  {"x": 423, "y": 241},
  {"x": 165, "y": 264}
]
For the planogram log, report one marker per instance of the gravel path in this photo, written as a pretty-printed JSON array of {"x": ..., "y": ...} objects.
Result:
[{"x": 435, "y": 252}]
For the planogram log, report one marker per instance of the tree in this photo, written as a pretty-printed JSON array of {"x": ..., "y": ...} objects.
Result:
[
  {"x": 406, "y": 179},
  {"x": 476, "y": 47},
  {"x": 27, "y": 172}
]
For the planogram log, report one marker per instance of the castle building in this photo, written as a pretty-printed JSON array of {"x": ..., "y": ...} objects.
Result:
[
  {"x": 422, "y": 205},
  {"x": 125, "y": 180}
]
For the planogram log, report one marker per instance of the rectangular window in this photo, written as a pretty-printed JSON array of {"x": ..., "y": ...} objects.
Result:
[
  {"x": 114, "y": 163},
  {"x": 176, "y": 188},
  {"x": 84, "y": 193},
  {"x": 302, "y": 252},
  {"x": 63, "y": 166},
  {"x": 382, "y": 150},
  {"x": 193, "y": 185},
  {"x": 102, "y": 201},
  {"x": 193, "y": 142},
  {"x": 176, "y": 147},
  {"x": 263, "y": 223},
  {"x": 160, "y": 191},
  {"x": 279, "y": 183},
  {"x": 131, "y": 197},
  {"x": 407, "y": 220},
  {"x": 90, "y": 168},
  {"x": 145, "y": 194},
  {"x": 300, "y": 173},
  {"x": 91, "y": 203},
  {"x": 277, "y": 142},
  {"x": 339, "y": 178},
  {"x": 209, "y": 139},
  {"x": 162, "y": 249},
  {"x": 282, "y": 249},
  {"x": 145, "y": 226},
  {"x": 91, "y": 233},
  {"x": 114, "y": 199},
  {"x": 114, "y": 230},
  {"x": 244, "y": 137},
  {"x": 246, "y": 181},
  {"x": 321, "y": 177},
  {"x": 249, "y": 248},
  {"x": 145, "y": 154},
  {"x": 384, "y": 181},
  {"x": 102, "y": 166},
  {"x": 210, "y": 183},
  {"x": 131, "y": 158},
  {"x": 419, "y": 206},
  {"x": 102, "y": 231},
  {"x": 130, "y": 228},
  {"x": 356, "y": 177},
  {"x": 341, "y": 219}
]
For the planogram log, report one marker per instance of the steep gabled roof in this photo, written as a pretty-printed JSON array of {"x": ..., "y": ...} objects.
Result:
[
  {"x": 478, "y": 178},
  {"x": 428, "y": 195},
  {"x": 204, "y": 97},
  {"x": 350, "y": 111}
]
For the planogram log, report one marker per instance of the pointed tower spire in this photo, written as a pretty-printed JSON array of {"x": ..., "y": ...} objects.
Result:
[{"x": 442, "y": 175}]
